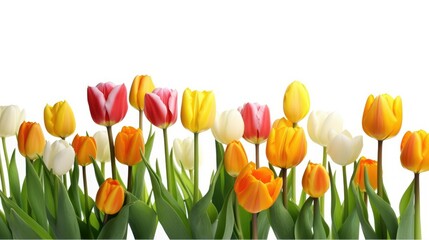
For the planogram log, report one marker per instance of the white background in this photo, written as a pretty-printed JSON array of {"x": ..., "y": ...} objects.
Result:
[{"x": 245, "y": 51}]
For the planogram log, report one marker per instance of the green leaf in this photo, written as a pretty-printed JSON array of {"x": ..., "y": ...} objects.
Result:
[
  {"x": 20, "y": 230},
  {"x": 143, "y": 220},
  {"x": 361, "y": 208},
  {"x": 139, "y": 186},
  {"x": 336, "y": 207},
  {"x": 406, "y": 219},
  {"x": 303, "y": 225},
  {"x": 116, "y": 228},
  {"x": 225, "y": 182},
  {"x": 406, "y": 198},
  {"x": 281, "y": 221},
  {"x": 36, "y": 197},
  {"x": 4, "y": 229},
  {"x": 318, "y": 225},
  {"x": 226, "y": 219},
  {"x": 14, "y": 184},
  {"x": 263, "y": 224},
  {"x": 350, "y": 227},
  {"x": 74, "y": 190},
  {"x": 50, "y": 194},
  {"x": 98, "y": 174}
]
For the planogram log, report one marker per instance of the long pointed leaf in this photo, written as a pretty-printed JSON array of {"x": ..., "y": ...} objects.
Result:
[
  {"x": 303, "y": 225},
  {"x": 143, "y": 220},
  {"x": 407, "y": 211},
  {"x": 225, "y": 226},
  {"x": 4, "y": 229},
  {"x": 116, "y": 228},
  {"x": 14, "y": 184},
  {"x": 36, "y": 199},
  {"x": 281, "y": 221},
  {"x": 367, "y": 229}
]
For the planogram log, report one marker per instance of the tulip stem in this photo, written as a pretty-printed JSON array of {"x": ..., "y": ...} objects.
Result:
[
  {"x": 65, "y": 180},
  {"x": 3, "y": 184},
  {"x": 346, "y": 198},
  {"x": 322, "y": 198},
  {"x": 257, "y": 155},
  {"x": 6, "y": 156},
  {"x": 293, "y": 191},
  {"x": 380, "y": 169},
  {"x": 417, "y": 223},
  {"x": 196, "y": 165},
  {"x": 284, "y": 176},
  {"x": 254, "y": 226},
  {"x": 103, "y": 167},
  {"x": 141, "y": 120},
  {"x": 237, "y": 217},
  {"x": 191, "y": 174},
  {"x": 130, "y": 179},
  {"x": 112, "y": 151},
  {"x": 168, "y": 163}
]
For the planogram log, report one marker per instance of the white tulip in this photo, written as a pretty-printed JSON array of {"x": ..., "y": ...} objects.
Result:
[
  {"x": 228, "y": 126},
  {"x": 59, "y": 156},
  {"x": 322, "y": 126},
  {"x": 11, "y": 118},
  {"x": 184, "y": 152},
  {"x": 344, "y": 149},
  {"x": 103, "y": 148}
]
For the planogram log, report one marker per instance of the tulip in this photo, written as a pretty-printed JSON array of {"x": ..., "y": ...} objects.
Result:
[
  {"x": 257, "y": 189},
  {"x": 102, "y": 143},
  {"x": 344, "y": 149},
  {"x": 235, "y": 158},
  {"x": 107, "y": 103},
  {"x": 110, "y": 197},
  {"x": 59, "y": 119},
  {"x": 11, "y": 118},
  {"x": 31, "y": 141},
  {"x": 129, "y": 145},
  {"x": 296, "y": 102},
  {"x": 257, "y": 122},
  {"x": 198, "y": 110},
  {"x": 322, "y": 126},
  {"x": 286, "y": 145},
  {"x": 161, "y": 107},
  {"x": 315, "y": 181},
  {"x": 371, "y": 168},
  {"x": 142, "y": 84},
  {"x": 382, "y": 116},
  {"x": 415, "y": 151},
  {"x": 59, "y": 157},
  {"x": 85, "y": 149},
  {"x": 184, "y": 152},
  {"x": 228, "y": 126}
]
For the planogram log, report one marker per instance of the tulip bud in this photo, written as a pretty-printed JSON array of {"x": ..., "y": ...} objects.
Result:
[
  {"x": 161, "y": 107},
  {"x": 31, "y": 141},
  {"x": 322, "y": 126},
  {"x": 344, "y": 149},
  {"x": 198, "y": 110},
  {"x": 129, "y": 145},
  {"x": 110, "y": 197},
  {"x": 85, "y": 149},
  {"x": 296, "y": 102},
  {"x": 59, "y": 119},
  {"x": 228, "y": 126},
  {"x": 103, "y": 148},
  {"x": 142, "y": 84},
  {"x": 59, "y": 157},
  {"x": 257, "y": 122},
  {"x": 371, "y": 168},
  {"x": 235, "y": 158},
  {"x": 11, "y": 118},
  {"x": 184, "y": 152},
  {"x": 315, "y": 181},
  {"x": 257, "y": 189},
  {"x": 415, "y": 151}
]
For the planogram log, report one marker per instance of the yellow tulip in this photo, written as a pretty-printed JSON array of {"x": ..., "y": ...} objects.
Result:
[
  {"x": 59, "y": 119},
  {"x": 141, "y": 85},
  {"x": 257, "y": 189},
  {"x": 371, "y": 168},
  {"x": 315, "y": 180},
  {"x": 286, "y": 145},
  {"x": 296, "y": 102},
  {"x": 235, "y": 158},
  {"x": 415, "y": 151},
  {"x": 382, "y": 116},
  {"x": 31, "y": 141},
  {"x": 198, "y": 110},
  {"x": 110, "y": 196}
]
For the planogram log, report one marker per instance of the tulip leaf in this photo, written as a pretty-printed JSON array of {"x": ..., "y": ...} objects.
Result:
[
  {"x": 116, "y": 227},
  {"x": 407, "y": 211},
  {"x": 350, "y": 227},
  {"x": 336, "y": 207},
  {"x": 406, "y": 198},
  {"x": 143, "y": 220},
  {"x": 263, "y": 224},
  {"x": 362, "y": 211},
  {"x": 37, "y": 199},
  {"x": 14, "y": 184},
  {"x": 4, "y": 229},
  {"x": 226, "y": 220},
  {"x": 139, "y": 187},
  {"x": 318, "y": 222},
  {"x": 303, "y": 224},
  {"x": 74, "y": 190},
  {"x": 281, "y": 221},
  {"x": 50, "y": 194},
  {"x": 98, "y": 174},
  {"x": 225, "y": 182},
  {"x": 20, "y": 230}
]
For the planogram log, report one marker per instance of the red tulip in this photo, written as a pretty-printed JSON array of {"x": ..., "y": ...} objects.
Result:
[
  {"x": 161, "y": 107},
  {"x": 108, "y": 103},
  {"x": 257, "y": 123}
]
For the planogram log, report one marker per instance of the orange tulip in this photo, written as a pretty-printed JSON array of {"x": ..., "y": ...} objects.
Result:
[
  {"x": 31, "y": 141},
  {"x": 415, "y": 151},
  {"x": 128, "y": 144},
  {"x": 257, "y": 189},
  {"x": 110, "y": 196},
  {"x": 235, "y": 158},
  {"x": 315, "y": 180},
  {"x": 141, "y": 85},
  {"x": 85, "y": 148},
  {"x": 382, "y": 116},
  {"x": 286, "y": 145},
  {"x": 371, "y": 168}
]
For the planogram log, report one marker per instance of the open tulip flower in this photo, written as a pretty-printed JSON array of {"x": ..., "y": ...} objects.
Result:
[
  {"x": 11, "y": 118},
  {"x": 371, "y": 167},
  {"x": 161, "y": 107},
  {"x": 31, "y": 141},
  {"x": 257, "y": 122},
  {"x": 228, "y": 126},
  {"x": 59, "y": 119},
  {"x": 59, "y": 157},
  {"x": 142, "y": 84},
  {"x": 296, "y": 102}
]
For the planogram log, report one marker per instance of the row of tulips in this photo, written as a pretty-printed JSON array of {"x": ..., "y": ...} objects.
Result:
[{"x": 244, "y": 199}]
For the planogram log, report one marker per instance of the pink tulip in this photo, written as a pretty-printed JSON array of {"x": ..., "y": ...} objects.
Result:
[
  {"x": 161, "y": 107},
  {"x": 108, "y": 103},
  {"x": 257, "y": 123}
]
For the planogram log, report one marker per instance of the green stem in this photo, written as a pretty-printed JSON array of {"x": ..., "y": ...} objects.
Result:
[
  {"x": 196, "y": 166},
  {"x": 191, "y": 174},
  {"x": 65, "y": 180},
  {"x": 316, "y": 208},
  {"x": 257, "y": 155},
  {"x": 3, "y": 183},
  {"x": 112, "y": 151},
  {"x": 322, "y": 198},
  {"x": 168, "y": 163},
  {"x": 141, "y": 120},
  {"x": 103, "y": 167},
  {"x": 6, "y": 156},
  {"x": 417, "y": 222},
  {"x": 130, "y": 179},
  {"x": 380, "y": 169},
  {"x": 85, "y": 190},
  {"x": 284, "y": 176},
  {"x": 346, "y": 198},
  {"x": 254, "y": 226},
  {"x": 237, "y": 217},
  {"x": 293, "y": 190}
]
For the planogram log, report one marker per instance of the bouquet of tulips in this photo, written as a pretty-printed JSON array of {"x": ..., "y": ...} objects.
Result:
[{"x": 245, "y": 199}]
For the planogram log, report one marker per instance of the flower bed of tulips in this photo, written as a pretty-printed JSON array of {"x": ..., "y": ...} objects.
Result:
[{"x": 245, "y": 199}]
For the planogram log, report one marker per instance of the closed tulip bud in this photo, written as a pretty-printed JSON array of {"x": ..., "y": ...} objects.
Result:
[
  {"x": 344, "y": 149},
  {"x": 103, "y": 149},
  {"x": 107, "y": 103},
  {"x": 184, "y": 152},
  {"x": 129, "y": 145},
  {"x": 198, "y": 110},
  {"x": 235, "y": 158},
  {"x": 371, "y": 168},
  {"x": 85, "y": 149},
  {"x": 31, "y": 141},
  {"x": 315, "y": 181},
  {"x": 11, "y": 118},
  {"x": 59, "y": 119},
  {"x": 286, "y": 145},
  {"x": 228, "y": 126},
  {"x": 322, "y": 126},
  {"x": 110, "y": 197},
  {"x": 142, "y": 84},
  {"x": 59, "y": 157},
  {"x": 382, "y": 116},
  {"x": 257, "y": 122},
  {"x": 257, "y": 189},
  {"x": 415, "y": 151},
  {"x": 296, "y": 102},
  {"x": 161, "y": 107}
]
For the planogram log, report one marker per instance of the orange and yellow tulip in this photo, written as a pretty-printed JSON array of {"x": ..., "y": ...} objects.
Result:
[
  {"x": 235, "y": 158},
  {"x": 257, "y": 189},
  {"x": 59, "y": 119},
  {"x": 85, "y": 148},
  {"x": 141, "y": 85},
  {"x": 31, "y": 141},
  {"x": 371, "y": 168},
  {"x": 128, "y": 144},
  {"x": 315, "y": 180},
  {"x": 415, "y": 151},
  {"x": 110, "y": 196},
  {"x": 198, "y": 110},
  {"x": 382, "y": 116},
  {"x": 296, "y": 102}
]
